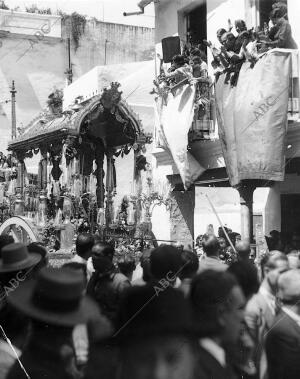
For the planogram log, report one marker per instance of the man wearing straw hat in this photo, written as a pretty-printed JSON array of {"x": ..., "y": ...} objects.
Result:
[
  {"x": 54, "y": 302},
  {"x": 16, "y": 265}
]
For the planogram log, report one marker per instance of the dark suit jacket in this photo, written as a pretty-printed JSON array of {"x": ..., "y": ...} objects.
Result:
[
  {"x": 283, "y": 348},
  {"x": 209, "y": 368},
  {"x": 40, "y": 363}
]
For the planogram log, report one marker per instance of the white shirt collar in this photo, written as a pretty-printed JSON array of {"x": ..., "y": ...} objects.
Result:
[
  {"x": 293, "y": 315},
  {"x": 214, "y": 349}
]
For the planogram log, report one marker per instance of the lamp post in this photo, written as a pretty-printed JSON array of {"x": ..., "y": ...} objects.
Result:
[
  {"x": 105, "y": 51},
  {"x": 13, "y": 111}
]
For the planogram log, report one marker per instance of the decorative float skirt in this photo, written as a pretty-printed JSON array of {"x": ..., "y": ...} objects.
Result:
[{"x": 252, "y": 118}]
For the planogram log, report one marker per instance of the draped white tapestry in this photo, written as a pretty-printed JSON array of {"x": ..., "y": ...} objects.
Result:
[{"x": 252, "y": 118}]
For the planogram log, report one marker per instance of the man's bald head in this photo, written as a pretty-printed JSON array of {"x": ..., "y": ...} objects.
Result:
[{"x": 243, "y": 250}]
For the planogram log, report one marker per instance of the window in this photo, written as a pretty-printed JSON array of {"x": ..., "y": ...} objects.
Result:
[{"x": 196, "y": 25}]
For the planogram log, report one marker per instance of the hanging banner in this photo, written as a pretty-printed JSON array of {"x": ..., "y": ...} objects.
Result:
[
  {"x": 252, "y": 118},
  {"x": 176, "y": 117}
]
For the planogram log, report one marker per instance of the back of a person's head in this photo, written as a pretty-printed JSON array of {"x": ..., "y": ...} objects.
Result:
[
  {"x": 103, "y": 249},
  {"x": 84, "y": 244},
  {"x": 240, "y": 23},
  {"x": 168, "y": 313},
  {"x": 243, "y": 250},
  {"x": 271, "y": 259},
  {"x": 165, "y": 260},
  {"x": 146, "y": 266},
  {"x": 210, "y": 293},
  {"x": 275, "y": 234},
  {"x": 211, "y": 246},
  {"x": 126, "y": 265},
  {"x": 220, "y": 32},
  {"x": 246, "y": 275},
  {"x": 5, "y": 239},
  {"x": 293, "y": 258},
  {"x": 280, "y": 8},
  {"x": 190, "y": 264},
  {"x": 179, "y": 60},
  {"x": 97, "y": 239}
]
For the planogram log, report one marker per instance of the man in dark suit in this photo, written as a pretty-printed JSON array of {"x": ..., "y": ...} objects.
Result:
[
  {"x": 218, "y": 304},
  {"x": 283, "y": 339}
]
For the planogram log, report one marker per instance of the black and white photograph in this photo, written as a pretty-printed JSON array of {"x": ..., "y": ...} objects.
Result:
[{"x": 149, "y": 189}]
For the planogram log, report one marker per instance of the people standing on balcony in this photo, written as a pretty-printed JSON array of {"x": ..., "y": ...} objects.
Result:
[
  {"x": 180, "y": 70},
  {"x": 248, "y": 50},
  {"x": 240, "y": 27},
  {"x": 220, "y": 33},
  {"x": 200, "y": 69},
  {"x": 230, "y": 59},
  {"x": 283, "y": 36}
]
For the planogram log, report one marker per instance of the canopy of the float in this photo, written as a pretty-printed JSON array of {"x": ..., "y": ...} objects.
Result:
[
  {"x": 49, "y": 129},
  {"x": 136, "y": 106}
]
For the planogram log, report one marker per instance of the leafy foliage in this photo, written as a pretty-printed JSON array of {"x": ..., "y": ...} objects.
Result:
[
  {"x": 34, "y": 9},
  {"x": 55, "y": 101},
  {"x": 77, "y": 23},
  {"x": 3, "y": 6}
]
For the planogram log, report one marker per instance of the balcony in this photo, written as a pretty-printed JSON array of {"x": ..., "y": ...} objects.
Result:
[{"x": 203, "y": 135}]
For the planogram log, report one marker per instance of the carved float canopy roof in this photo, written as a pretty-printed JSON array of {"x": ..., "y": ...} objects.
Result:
[{"x": 48, "y": 128}]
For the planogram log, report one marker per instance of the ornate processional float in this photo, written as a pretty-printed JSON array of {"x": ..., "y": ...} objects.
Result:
[{"x": 77, "y": 180}]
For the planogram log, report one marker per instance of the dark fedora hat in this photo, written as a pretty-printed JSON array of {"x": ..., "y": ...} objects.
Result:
[
  {"x": 55, "y": 297},
  {"x": 15, "y": 256},
  {"x": 149, "y": 311}
]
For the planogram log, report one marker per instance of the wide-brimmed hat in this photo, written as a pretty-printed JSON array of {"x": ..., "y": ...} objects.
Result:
[
  {"x": 15, "y": 256},
  {"x": 55, "y": 297},
  {"x": 150, "y": 311}
]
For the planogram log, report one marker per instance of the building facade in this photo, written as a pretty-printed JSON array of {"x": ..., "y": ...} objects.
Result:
[
  {"x": 34, "y": 53},
  {"x": 275, "y": 204}
]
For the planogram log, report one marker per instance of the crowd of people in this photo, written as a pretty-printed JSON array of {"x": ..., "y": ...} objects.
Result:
[
  {"x": 169, "y": 313},
  {"x": 234, "y": 49}
]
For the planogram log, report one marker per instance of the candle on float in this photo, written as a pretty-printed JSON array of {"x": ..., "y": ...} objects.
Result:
[
  {"x": 144, "y": 218},
  {"x": 101, "y": 217},
  {"x": 1, "y": 193},
  {"x": 131, "y": 215},
  {"x": 116, "y": 212}
]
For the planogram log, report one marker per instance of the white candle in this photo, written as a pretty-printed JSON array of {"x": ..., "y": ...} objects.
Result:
[
  {"x": 1, "y": 193},
  {"x": 101, "y": 217}
]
